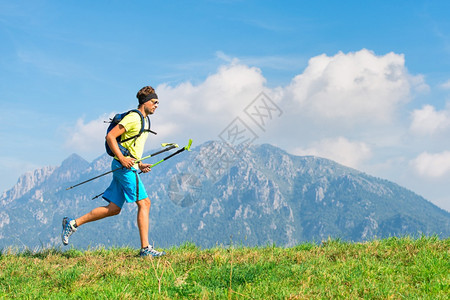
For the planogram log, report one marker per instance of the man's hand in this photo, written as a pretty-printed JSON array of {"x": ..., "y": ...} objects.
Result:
[
  {"x": 145, "y": 167},
  {"x": 127, "y": 162}
]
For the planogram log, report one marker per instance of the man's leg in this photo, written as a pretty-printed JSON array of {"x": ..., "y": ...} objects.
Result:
[
  {"x": 99, "y": 213},
  {"x": 143, "y": 220},
  {"x": 69, "y": 226},
  {"x": 143, "y": 223}
]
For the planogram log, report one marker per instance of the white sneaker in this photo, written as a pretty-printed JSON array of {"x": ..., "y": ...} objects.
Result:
[
  {"x": 67, "y": 230},
  {"x": 149, "y": 251}
]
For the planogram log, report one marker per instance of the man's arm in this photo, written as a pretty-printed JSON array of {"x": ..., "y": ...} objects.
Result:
[{"x": 111, "y": 137}]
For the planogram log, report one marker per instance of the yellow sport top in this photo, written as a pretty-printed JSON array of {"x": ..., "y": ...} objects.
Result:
[{"x": 132, "y": 125}]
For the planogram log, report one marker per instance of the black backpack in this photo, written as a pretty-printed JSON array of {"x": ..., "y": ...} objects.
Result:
[{"x": 114, "y": 121}]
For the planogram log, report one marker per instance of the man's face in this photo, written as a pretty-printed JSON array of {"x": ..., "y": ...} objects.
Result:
[{"x": 151, "y": 106}]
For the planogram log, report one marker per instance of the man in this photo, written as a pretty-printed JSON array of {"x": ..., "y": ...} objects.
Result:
[{"x": 126, "y": 184}]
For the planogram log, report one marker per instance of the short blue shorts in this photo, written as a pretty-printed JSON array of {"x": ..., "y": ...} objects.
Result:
[{"x": 126, "y": 186}]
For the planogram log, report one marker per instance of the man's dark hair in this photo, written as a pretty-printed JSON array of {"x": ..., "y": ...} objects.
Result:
[{"x": 144, "y": 92}]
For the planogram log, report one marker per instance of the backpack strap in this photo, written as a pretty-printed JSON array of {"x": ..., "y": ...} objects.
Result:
[
  {"x": 148, "y": 130},
  {"x": 142, "y": 127},
  {"x": 140, "y": 131},
  {"x": 115, "y": 120}
]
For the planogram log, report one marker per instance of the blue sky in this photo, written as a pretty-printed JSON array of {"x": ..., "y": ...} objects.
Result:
[{"x": 365, "y": 83}]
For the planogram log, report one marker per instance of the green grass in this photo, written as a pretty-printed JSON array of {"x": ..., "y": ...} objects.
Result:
[{"x": 397, "y": 268}]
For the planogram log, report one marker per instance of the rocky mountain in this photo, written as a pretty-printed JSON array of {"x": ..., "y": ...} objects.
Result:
[{"x": 217, "y": 195}]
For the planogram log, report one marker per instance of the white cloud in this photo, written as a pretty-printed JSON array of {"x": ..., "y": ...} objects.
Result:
[
  {"x": 446, "y": 85},
  {"x": 205, "y": 109},
  {"x": 340, "y": 149},
  {"x": 344, "y": 88},
  {"x": 223, "y": 92},
  {"x": 353, "y": 86},
  {"x": 358, "y": 86},
  {"x": 185, "y": 111},
  {"x": 432, "y": 165},
  {"x": 428, "y": 121},
  {"x": 229, "y": 59},
  {"x": 87, "y": 138}
]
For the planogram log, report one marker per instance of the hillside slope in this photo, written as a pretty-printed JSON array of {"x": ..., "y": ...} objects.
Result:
[{"x": 399, "y": 268}]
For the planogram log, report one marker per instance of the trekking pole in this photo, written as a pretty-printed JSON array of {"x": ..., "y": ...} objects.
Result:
[
  {"x": 187, "y": 148},
  {"x": 170, "y": 147}
]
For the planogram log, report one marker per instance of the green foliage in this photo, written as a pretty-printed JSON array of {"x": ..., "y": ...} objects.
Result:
[
  {"x": 188, "y": 246},
  {"x": 389, "y": 268}
]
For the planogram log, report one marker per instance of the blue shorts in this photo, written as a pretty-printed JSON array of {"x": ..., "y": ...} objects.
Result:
[{"x": 126, "y": 186}]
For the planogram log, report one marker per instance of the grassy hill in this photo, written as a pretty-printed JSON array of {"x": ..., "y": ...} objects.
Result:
[{"x": 398, "y": 268}]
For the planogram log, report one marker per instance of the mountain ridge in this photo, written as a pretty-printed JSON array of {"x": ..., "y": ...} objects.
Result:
[{"x": 261, "y": 195}]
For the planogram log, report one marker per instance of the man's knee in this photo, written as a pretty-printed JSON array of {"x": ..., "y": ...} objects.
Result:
[
  {"x": 113, "y": 209},
  {"x": 144, "y": 203}
]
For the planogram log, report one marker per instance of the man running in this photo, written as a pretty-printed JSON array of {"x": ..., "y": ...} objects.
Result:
[{"x": 126, "y": 185}]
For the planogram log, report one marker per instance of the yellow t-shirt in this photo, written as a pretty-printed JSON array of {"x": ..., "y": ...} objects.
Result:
[{"x": 132, "y": 124}]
